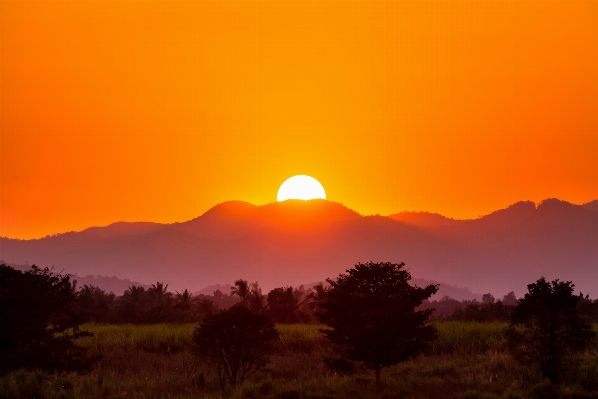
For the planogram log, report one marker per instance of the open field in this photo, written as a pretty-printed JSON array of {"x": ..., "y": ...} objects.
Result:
[{"x": 467, "y": 361}]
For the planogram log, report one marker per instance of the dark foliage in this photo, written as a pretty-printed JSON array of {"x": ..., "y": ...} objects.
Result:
[
  {"x": 147, "y": 306},
  {"x": 372, "y": 314},
  {"x": 509, "y": 299},
  {"x": 488, "y": 310},
  {"x": 443, "y": 308},
  {"x": 588, "y": 309},
  {"x": 139, "y": 305},
  {"x": 39, "y": 321},
  {"x": 250, "y": 295},
  {"x": 156, "y": 305},
  {"x": 314, "y": 298},
  {"x": 483, "y": 312},
  {"x": 283, "y": 305},
  {"x": 236, "y": 341},
  {"x": 94, "y": 304},
  {"x": 546, "y": 329}
]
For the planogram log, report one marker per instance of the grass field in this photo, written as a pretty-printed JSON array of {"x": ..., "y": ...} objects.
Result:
[{"x": 467, "y": 361}]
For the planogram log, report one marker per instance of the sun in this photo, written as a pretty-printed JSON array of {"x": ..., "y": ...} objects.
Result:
[{"x": 301, "y": 187}]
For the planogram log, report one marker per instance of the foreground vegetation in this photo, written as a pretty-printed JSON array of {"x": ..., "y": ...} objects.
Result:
[{"x": 469, "y": 360}]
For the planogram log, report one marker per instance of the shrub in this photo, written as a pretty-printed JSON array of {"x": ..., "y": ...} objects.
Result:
[{"x": 236, "y": 341}]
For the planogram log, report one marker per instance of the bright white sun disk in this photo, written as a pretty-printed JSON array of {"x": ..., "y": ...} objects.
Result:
[{"x": 300, "y": 187}]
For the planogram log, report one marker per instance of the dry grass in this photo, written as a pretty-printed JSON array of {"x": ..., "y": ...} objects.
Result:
[{"x": 468, "y": 361}]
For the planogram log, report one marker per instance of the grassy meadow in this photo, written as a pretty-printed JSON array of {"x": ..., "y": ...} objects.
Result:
[{"x": 154, "y": 361}]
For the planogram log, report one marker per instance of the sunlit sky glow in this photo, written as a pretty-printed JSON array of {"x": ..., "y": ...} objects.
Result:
[{"x": 157, "y": 111}]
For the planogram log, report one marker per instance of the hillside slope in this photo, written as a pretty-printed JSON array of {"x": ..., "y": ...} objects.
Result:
[{"x": 293, "y": 242}]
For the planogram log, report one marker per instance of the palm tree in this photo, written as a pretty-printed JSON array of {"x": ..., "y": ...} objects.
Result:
[
  {"x": 283, "y": 304},
  {"x": 135, "y": 293},
  {"x": 159, "y": 291},
  {"x": 315, "y": 298},
  {"x": 256, "y": 299},
  {"x": 241, "y": 289},
  {"x": 206, "y": 306},
  {"x": 86, "y": 291},
  {"x": 183, "y": 300}
]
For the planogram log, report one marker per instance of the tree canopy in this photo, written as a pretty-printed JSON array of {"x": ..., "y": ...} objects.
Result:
[
  {"x": 546, "y": 329},
  {"x": 39, "y": 321},
  {"x": 236, "y": 341},
  {"x": 371, "y": 314}
]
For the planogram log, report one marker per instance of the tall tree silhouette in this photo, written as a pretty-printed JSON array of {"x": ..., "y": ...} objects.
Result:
[
  {"x": 546, "y": 329},
  {"x": 159, "y": 292},
  {"x": 371, "y": 312},
  {"x": 241, "y": 289},
  {"x": 206, "y": 307},
  {"x": 183, "y": 300},
  {"x": 314, "y": 298},
  {"x": 94, "y": 303},
  {"x": 283, "y": 305},
  {"x": 256, "y": 299}
]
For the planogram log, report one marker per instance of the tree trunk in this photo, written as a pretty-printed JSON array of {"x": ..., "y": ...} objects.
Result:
[{"x": 377, "y": 369}]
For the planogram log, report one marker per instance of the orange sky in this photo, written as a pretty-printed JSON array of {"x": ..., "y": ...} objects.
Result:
[{"x": 156, "y": 111}]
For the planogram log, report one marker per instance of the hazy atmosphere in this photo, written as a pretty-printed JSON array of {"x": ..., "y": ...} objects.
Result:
[{"x": 299, "y": 199}]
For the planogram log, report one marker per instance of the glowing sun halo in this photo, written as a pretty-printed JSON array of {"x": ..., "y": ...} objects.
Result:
[{"x": 301, "y": 187}]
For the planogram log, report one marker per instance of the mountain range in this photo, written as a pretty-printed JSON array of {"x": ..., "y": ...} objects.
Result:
[{"x": 293, "y": 242}]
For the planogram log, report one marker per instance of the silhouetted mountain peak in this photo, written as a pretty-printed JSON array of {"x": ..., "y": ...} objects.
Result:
[
  {"x": 299, "y": 213},
  {"x": 422, "y": 219},
  {"x": 591, "y": 206},
  {"x": 292, "y": 241},
  {"x": 555, "y": 206},
  {"x": 123, "y": 229},
  {"x": 233, "y": 219},
  {"x": 518, "y": 212},
  {"x": 230, "y": 210}
]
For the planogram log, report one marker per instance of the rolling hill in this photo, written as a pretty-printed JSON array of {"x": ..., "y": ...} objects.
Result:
[{"x": 292, "y": 242}]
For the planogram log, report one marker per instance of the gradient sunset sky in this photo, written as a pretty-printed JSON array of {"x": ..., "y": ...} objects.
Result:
[{"x": 156, "y": 111}]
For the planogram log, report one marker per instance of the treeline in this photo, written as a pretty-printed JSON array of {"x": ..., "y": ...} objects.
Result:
[
  {"x": 491, "y": 309},
  {"x": 157, "y": 305},
  {"x": 283, "y": 305}
]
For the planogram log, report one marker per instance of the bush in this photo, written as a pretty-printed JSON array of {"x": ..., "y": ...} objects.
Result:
[
  {"x": 236, "y": 341},
  {"x": 38, "y": 322}
]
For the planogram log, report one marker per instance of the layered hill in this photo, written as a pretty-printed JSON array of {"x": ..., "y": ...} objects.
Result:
[{"x": 297, "y": 241}]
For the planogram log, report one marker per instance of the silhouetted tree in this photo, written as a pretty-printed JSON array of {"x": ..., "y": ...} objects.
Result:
[
  {"x": 183, "y": 300},
  {"x": 236, "y": 341},
  {"x": 283, "y": 305},
  {"x": 546, "y": 329},
  {"x": 206, "y": 307},
  {"x": 159, "y": 292},
  {"x": 94, "y": 303},
  {"x": 39, "y": 321},
  {"x": 136, "y": 293},
  {"x": 161, "y": 304},
  {"x": 588, "y": 309},
  {"x": 488, "y": 299},
  {"x": 133, "y": 305},
  {"x": 483, "y": 312},
  {"x": 509, "y": 299},
  {"x": 256, "y": 299},
  {"x": 218, "y": 294},
  {"x": 443, "y": 308},
  {"x": 314, "y": 298},
  {"x": 371, "y": 312},
  {"x": 241, "y": 289}
]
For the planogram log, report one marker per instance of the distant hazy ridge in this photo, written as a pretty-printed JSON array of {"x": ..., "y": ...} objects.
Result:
[{"x": 294, "y": 242}]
